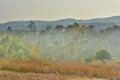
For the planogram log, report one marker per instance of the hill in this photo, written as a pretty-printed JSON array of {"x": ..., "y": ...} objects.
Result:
[{"x": 99, "y": 23}]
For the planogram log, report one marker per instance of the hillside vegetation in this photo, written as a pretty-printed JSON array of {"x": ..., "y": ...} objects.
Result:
[
  {"x": 74, "y": 43},
  {"x": 72, "y": 50}
]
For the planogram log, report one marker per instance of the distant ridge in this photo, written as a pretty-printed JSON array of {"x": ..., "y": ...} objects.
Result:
[{"x": 97, "y": 22}]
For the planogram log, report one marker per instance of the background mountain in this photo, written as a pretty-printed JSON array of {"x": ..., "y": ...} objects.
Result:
[{"x": 99, "y": 23}]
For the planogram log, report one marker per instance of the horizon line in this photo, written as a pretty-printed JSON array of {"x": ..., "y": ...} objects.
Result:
[{"x": 58, "y": 19}]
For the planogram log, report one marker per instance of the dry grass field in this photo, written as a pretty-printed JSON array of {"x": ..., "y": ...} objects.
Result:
[
  {"x": 8, "y": 75},
  {"x": 45, "y": 70}
]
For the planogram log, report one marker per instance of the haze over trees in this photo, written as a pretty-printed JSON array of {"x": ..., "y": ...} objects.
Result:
[{"x": 72, "y": 43}]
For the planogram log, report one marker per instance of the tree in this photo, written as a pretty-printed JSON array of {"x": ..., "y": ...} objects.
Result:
[
  {"x": 49, "y": 28},
  {"x": 9, "y": 29},
  {"x": 89, "y": 58},
  {"x": 116, "y": 27},
  {"x": 91, "y": 27},
  {"x": 76, "y": 25},
  {"x": 59, "y": 27},
  {"x": 32, "y": 26},
  {"x": 102, "y": 55}
]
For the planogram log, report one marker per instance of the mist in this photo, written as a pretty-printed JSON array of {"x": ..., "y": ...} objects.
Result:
[{"x": 72, "y": 43}]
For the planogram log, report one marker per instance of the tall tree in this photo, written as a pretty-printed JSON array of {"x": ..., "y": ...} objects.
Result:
[
  {"x": 32, "y": 26},
  {"x": 9, "y": 29}
]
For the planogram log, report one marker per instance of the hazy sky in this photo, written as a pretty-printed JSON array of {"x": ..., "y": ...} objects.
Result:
[{"x": 57, "y": 9}]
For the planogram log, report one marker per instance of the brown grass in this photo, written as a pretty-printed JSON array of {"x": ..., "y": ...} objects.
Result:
[
  {"x": 80, "y": 69},
  {"x": 8, "y": 75}
]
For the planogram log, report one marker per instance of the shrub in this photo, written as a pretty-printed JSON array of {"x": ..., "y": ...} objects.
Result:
[{"x": 103, "y": 55}]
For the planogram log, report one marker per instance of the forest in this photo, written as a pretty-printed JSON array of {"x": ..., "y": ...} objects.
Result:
[{"x": 74, "y": 43}]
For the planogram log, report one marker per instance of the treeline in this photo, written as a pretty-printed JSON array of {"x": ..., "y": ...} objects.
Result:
[
  {"x": 80, "y": 28},
  {"x": 72, "y": 43}
]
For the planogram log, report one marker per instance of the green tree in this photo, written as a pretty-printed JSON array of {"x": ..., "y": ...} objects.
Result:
[
  {"x": 102, "y": 55},
  {"x": 89, "y": 58},
  {"x": 9, "y": 29},
  {"x": 32, "y": 26},
  {"x": 59, "y": 27}
]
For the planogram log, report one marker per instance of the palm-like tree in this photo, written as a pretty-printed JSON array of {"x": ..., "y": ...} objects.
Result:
[{"x": 32, "y": 26}]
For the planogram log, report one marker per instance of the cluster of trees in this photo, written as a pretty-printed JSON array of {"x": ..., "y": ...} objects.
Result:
[
  {"x": 101, "y": 55},
  {"x": 71, "y": 43},
  {"x": 75, "y": 28},
  {"x": 13, "y": 48}
]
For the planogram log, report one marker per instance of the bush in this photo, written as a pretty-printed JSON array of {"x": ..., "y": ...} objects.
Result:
[
  {"x": 89, "y": 58},
  {"x": 102, "y": 55}
]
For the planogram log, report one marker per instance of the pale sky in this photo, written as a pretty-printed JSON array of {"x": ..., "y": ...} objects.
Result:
[{"x": 11, "y": 10}]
